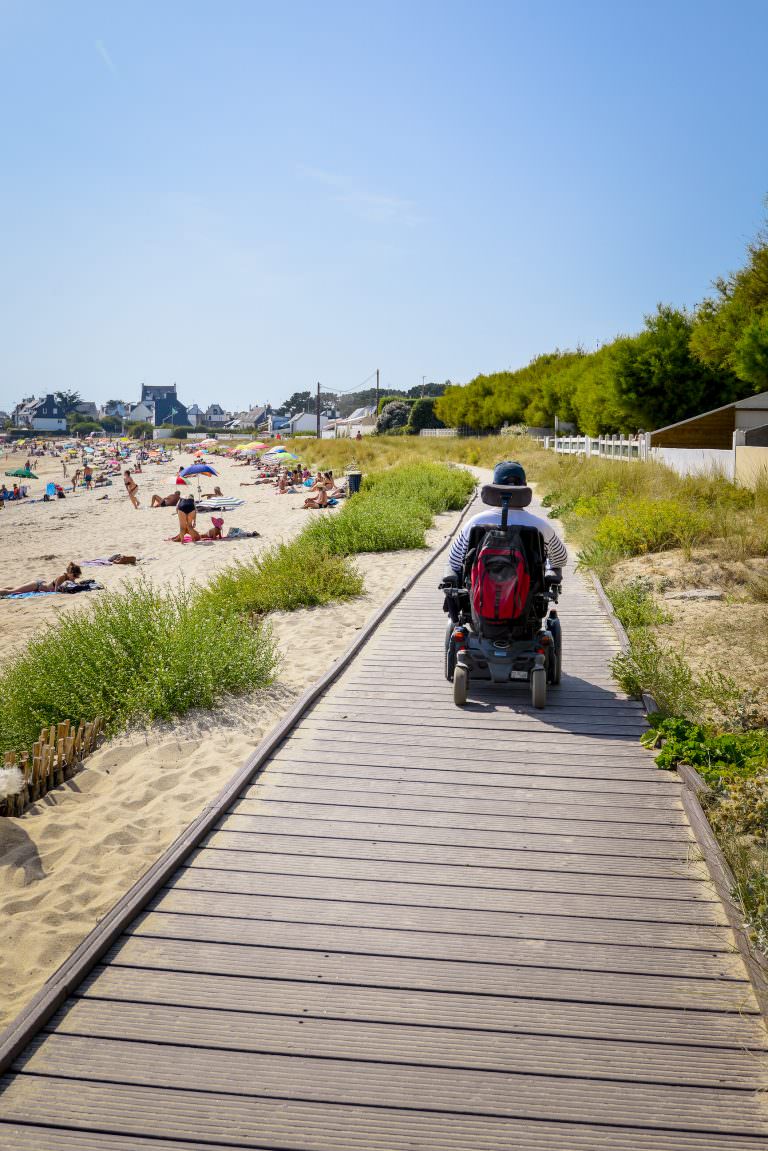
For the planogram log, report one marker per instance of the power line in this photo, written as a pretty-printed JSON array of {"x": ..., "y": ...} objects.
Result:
[{"x": 358, "y": 388}]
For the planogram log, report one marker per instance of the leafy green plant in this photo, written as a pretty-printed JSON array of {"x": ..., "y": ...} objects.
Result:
[
  {"x": 634, "y": 604},
  {"x": 658, "y": 669},
  {"x": 719, "y": 757},
  {"x": 302, "y": 573},
  {"x": 139, "y": 653}
]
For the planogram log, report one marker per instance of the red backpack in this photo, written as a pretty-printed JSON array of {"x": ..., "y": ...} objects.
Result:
[{"x": 501, "y": 580}]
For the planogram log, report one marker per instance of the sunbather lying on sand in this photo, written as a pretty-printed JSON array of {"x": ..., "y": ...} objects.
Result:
[
  {"x": 166, "y": 501},
  {"x": 73, "y": 572}
]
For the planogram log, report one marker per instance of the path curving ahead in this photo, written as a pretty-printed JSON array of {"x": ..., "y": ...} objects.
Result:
[{"x": 426, "y": 929}]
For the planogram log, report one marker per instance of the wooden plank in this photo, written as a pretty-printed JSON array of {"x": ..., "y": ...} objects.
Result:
[
  {"x": 466, "y": 821},
  {"x": 423, "y": 1045},
  {"x": 394, "y": 799},
  {"x": 549, "y": 913},
  {"x": 423, "y": 780},
  {"x": 573, "y": 953},
  {"x": 418, "y": 893},
  {"x": 577, "y": 764},
  {"x": 342, "y": 998},
  {"x": 532, "y": 839},
  {"x": 539, "y": 763},
  {"x": 617, "y": 751},
  {"x": 452, "y": 874},
  {"x": 249, "y": 1074},
  {"x": 403, "y": 851},
  {"x": 259, "y": 1123}
]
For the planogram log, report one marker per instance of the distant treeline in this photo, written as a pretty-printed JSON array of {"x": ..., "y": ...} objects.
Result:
[{"x": 680, "y": 364}]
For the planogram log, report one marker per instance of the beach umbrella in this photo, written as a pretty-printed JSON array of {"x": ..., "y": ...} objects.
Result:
[
  {"x": 286, "y": 456},
  {"x": 22, "y": 473},
  {"x": 253, "y": 446},
  {"x": 199, "y": 470}
]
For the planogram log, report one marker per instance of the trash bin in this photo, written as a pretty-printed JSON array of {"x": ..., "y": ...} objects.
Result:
[{"x": 354, "y": 479}]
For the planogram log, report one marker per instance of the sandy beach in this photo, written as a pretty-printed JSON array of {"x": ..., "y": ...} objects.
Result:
[
  {"x": 39, "y": 539},
  {"x": 71, "y": 856}
]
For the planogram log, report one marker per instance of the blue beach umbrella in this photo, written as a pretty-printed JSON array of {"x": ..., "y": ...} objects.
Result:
[{"x": 199, "y": 470}]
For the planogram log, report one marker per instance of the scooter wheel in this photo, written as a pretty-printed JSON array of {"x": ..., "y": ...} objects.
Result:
[
  {"x": 460, "y": 686},
  {"x": 538, "y": 687}
]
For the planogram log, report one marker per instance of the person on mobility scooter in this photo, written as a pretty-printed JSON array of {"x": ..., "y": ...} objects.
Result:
[{"x": 505, "y": 570}]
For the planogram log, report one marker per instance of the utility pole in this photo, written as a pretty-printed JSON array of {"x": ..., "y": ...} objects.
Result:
[
  {"x": 377, "y": 393},
  {"x": 318, "y": 409},
  {"x": 423, "y": 378}
]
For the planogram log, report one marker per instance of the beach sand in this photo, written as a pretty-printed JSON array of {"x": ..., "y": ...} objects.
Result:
[
  {"x": 73, "y": 854},
  {"x": 39, "y": 539}
]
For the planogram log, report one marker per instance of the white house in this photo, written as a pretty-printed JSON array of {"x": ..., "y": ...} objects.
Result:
[
  {"x": 252, "y": 418},
  {"x": 196, "y": 414},
  {"x": 307, "y": 421},
  {"x": 215, "y": 416},
  {"x": 362, "y": 420},
  {"x": 143, "y": 412},
  {"x": 43, "y": 415}
]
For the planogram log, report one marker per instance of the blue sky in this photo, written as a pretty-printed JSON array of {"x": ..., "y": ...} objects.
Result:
[{"x": 247, "y": 197}]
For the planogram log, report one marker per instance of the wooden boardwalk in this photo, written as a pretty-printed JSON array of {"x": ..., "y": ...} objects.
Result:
[{"x": 423, "y": 929}]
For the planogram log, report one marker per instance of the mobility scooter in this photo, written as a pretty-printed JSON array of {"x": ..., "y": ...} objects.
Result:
[{"x": 498, "y": 604}]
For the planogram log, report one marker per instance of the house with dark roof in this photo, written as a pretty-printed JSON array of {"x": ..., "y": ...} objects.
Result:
[
  {"x": 168, "y": 408},
  {"x": 43, "y": 415}
]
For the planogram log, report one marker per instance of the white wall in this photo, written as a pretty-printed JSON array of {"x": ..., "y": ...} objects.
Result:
[
  {"x": 40, "y": 424},
  {"x": 694, "y": 461}
]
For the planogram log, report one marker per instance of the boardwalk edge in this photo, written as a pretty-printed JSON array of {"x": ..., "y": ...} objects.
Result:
[
  {"x": 87, "y": 954},
  {"x": 720, "y": 873}
]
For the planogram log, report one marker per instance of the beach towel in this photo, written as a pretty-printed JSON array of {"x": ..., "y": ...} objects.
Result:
[{"x": 30, "y": 595}]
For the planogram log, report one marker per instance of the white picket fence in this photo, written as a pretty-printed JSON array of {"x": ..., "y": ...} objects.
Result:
[{"x": 609, "y": 447}]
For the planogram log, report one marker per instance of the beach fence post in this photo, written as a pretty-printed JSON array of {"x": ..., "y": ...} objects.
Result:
[{"x": 53, "y": 760}]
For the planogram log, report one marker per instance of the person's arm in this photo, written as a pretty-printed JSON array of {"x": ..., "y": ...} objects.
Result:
[
  {"x": 458, "y": 552},
  {"x": 557, "y": 553}
]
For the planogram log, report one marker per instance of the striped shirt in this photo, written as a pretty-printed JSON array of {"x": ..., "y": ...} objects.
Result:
[{"x": 554, "y": 547}]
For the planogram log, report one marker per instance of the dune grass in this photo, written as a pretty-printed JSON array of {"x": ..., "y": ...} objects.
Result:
[
  {"x": 301, "y": 573},
  {"x": 137, "y": 654}
]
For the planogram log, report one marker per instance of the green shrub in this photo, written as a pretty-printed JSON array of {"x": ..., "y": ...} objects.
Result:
[
  {"x": 635, "y": 606},
  {"x": 640, "y": 526},
  {"x": 302, "y": 573},
  {"x": 139, "y": 653},
  {"x": 423, "y": 415},
  {"x": 373, "y": 524},
  {"x": 719, "y": 757}
]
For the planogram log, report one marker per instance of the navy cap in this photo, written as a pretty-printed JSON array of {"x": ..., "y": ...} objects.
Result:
[{"x": 510, "y": 473}]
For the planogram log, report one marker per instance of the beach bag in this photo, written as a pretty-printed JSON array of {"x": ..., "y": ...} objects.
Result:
[
  {"x": 500, "y": 581},
  {"x": 72, "y": 587}
]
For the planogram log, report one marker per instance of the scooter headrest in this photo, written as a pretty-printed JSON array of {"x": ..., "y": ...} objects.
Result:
[{"x": 496, "y": 494}]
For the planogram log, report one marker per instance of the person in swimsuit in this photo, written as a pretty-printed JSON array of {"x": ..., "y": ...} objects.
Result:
[
  {"x": 73, "y": 572},
  {"x": 187, "y": 513},
  {"x": 166, "y": 501},
  {"x": 131, "y": 487}
]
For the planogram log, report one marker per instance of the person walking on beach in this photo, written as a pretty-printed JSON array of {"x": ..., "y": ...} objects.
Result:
[
  {"x": 88, "y": 477},
  {"x": 131, "y": 487},
  {"x": 64, "y": 468}
]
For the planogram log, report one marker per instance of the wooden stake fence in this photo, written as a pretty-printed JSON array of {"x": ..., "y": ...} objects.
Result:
[{"x": 54, "y": 759}]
